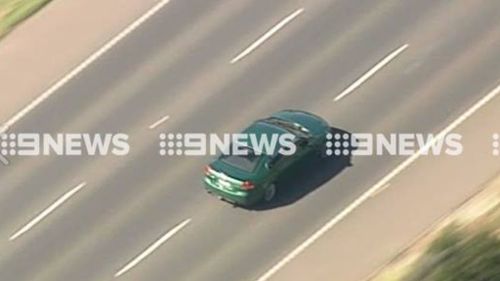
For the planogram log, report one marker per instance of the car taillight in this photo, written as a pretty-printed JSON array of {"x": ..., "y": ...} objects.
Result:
[
  {"x": 247, "y": 185},
  {"x": 208, "y": 170}
]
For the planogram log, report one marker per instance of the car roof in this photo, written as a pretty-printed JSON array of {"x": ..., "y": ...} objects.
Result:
[
  {"x": 258, "y": 128},
  {"x": 261, "y": 127}
]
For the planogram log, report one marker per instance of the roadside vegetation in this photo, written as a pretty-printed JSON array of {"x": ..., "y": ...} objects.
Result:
[
  {"x": 466, "y": 247},
  {"x": 460, "y": 255},
  {"x": 12, "y": 12}
]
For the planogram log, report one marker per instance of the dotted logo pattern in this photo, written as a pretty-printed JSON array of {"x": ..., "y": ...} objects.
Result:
[
  {"x": 338, "y": 144},
  {"x": 171, "y": 144},
  {"x": 8, "y": 144}
]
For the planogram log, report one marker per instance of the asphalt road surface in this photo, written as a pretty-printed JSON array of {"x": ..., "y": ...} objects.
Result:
[{"x": 215, "y": 66}]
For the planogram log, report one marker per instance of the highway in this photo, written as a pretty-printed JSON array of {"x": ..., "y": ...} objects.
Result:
[{"x": 214, "y": 66}]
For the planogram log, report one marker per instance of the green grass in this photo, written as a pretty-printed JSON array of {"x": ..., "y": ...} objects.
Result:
[{"x": 12, "y": 12}]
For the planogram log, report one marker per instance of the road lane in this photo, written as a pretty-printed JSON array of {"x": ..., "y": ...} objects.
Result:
[
  {"x": 280, "y": 25},
  {"x": 218, "y": 271},
  {"x": 418, "y": 198},
  {"x": 153, "y": 247},
  {"x": 383, "y": 182},
  {"x": 371, "y": 72},
  {"x": 139, "y": 196},
  {"x": 108, "y": 113},
  {"x": 47, "y": 211},
  {"x": 78, "y": 69},
  {"x": 30, "y": 182}
]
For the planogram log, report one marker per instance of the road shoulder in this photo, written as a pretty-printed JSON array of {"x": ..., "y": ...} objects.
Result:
[
  {"x": 52, "y": 42},
  {"x": 386, "y": 224},
  {"x": 474, "y": 213}
]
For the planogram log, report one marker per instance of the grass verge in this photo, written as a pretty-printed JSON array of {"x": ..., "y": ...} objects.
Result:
[
  {"x": 12, "y": 12},
  {"x": 464, "y": 247}
]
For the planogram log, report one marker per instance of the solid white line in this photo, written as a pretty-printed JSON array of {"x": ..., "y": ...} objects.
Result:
[
  {"x": 152, "y": 248},
  {"x": 47, "y": 211},
  {"x": 159, "y": 122},
  {"x": 381, "y": 189},
  {"x": 371, "y": 72},
  {"x": 50, "y": 91},
  {"x": 4, "y": 160},
  {"x": 365, "y": 196},
  {"x": 267, "y": 35}
]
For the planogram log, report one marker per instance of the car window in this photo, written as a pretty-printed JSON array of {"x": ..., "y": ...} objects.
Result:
[
  {"x": 247, "y": 162},
  {"x": 291, "y": 127}
]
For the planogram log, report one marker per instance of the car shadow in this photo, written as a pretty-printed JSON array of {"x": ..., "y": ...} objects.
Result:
[{"x": 309, "y": 175}]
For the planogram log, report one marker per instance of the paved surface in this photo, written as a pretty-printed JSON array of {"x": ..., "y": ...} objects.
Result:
[
  {"x": 178, "y": 64},
  {"x": 53, "y": 41},
  {"x": 411, "y": 204}
]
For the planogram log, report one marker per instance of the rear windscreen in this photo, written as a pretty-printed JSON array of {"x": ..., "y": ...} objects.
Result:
[{"x": 246, "y": 162}]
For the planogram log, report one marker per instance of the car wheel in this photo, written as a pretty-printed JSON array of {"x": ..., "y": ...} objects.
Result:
[{"x": 269, "y": 193}]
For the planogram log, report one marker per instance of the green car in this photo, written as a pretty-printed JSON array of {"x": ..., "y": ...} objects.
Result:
[{"x": 249, "y": 178}]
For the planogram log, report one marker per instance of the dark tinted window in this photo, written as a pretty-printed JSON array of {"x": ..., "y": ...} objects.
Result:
[{"x": 246, "y": 162}]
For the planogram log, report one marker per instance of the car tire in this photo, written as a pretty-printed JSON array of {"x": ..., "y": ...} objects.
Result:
[{"x": 270, "y": 192}]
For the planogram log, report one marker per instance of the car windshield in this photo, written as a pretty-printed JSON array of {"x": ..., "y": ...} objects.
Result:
[
  {"x": 293, "y": 128},
  {"x": 246, "y": 161}
]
